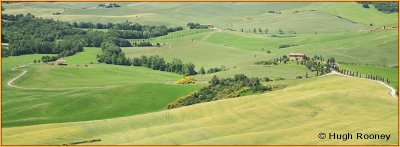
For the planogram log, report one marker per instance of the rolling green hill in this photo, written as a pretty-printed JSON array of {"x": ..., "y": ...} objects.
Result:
[
  {"x": 387, "y": 72},
  {"x": 355, "y": 47},
  {"x": 327, "y": 104},
  {"x": 75, "y": 93},
  {"x": 126, "y": 105},
  {"x": 312, "y": 17}
]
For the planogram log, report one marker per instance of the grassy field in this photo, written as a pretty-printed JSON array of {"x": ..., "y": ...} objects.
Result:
[
  {"x": 387, "y": 72},
  {"x": 354, "y": 13},
  {"x": 328, "y": 104},
  {"x": 311, "y": 17},
  {"x": 117, "y": 90},
  {"x": 355, "y": 47},
  {"x": 15, "y": 61},
  {"x": 127, "y": 104}
]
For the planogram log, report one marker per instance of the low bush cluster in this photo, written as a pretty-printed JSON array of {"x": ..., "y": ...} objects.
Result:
[
  {"x": 268, "y": 79},
  {"x": 192, "y": 25},
  {"x": 46, "y": 59},
  {"x": 142, "y": 44},
  {"x": 287, "y": 45},
  {"x": 269, "y": 62},
  {"x": 217, "y": 69},
  {"x": 240, "y": 85}
]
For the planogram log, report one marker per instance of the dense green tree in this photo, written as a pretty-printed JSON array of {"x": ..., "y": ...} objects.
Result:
[
  {"x": 188, "y": 69},
  {"x": 214, "y": 80},
  {"x": 202, "y": 71},
  {"x": 280, "y": 31}
]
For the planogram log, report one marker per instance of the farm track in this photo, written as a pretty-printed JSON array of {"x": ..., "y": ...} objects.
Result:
[
  {"x": 212, "y": 33},
  {"x": 392, "y": 90}
]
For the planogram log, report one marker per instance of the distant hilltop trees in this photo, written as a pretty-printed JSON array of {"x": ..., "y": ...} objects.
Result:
[
  {"x": 27, "y": 34},
  {"x": 386, "y": 7},
  {"x": 192, "y": 25},
  {"x": 108, "y": 5}
]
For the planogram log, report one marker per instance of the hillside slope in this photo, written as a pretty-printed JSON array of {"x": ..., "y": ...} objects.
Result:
[
  {"x": 294, "y": 115},
  {"x": 54, "y": 94},
  {"x": 308, "y": 17}
]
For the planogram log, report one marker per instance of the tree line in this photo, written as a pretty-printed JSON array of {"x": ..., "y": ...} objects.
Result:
[
  {"x": 11, "y": 17},
  {"x": 129, "y": 30},
  {"x": 239, "y": 85},
  {"x": 362, "y": 75},
  {"x": 158, "y": 63},
  {"x": 112, "y": 54},
  {"x": 192, "y": 25},
  {"x": 265, "y": 31},
  {"x": 27, "y": 34}
]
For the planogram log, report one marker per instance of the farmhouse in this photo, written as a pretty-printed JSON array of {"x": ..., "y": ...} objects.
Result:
[
  {"x": 207, "y": 25},
  {"x": 61, "y": 62},
  {"x": 297, "y": 56},
  {"x": 109, "y": 5}
]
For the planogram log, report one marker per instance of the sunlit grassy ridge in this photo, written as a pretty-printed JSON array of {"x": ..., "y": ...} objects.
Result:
[{"x": 294, "y": 115}]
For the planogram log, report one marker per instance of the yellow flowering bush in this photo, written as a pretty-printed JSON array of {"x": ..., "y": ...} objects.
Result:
[{"x": 187, "y": 80}]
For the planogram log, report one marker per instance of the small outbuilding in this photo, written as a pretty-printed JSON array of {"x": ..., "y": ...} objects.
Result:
[
  {"x": 297, "y": 56},
  {"x": 61, "y": 62}
]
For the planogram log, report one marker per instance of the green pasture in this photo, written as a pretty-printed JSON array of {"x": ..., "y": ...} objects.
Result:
[
  {"x": 126, "y": 105},
  {"x": 76, "y": 93},
  {"x": 301, "y": 17},
  {"x": 387, "y": 72},
  {"x": 327, "y": 104}
]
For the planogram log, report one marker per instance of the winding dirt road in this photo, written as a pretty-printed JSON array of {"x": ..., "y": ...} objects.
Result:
[{"x": 12, "y": 80}]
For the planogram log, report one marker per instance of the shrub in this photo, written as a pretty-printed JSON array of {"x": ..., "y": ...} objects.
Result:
[
  {"x": 365, "y": 5},
  {"x": 216, "y": 69},
  {"x": 270, "y": 62},
  {"x": 202, "y": 71},
  {"x": 46, "y": 59},
  {"x": 267, "y": 79},
  {"x": 222, "y": 88},
  {"x": 287, "y": 45},
  {"x": 187, "y": 80},
  {"x": 241, "y": 92}
]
